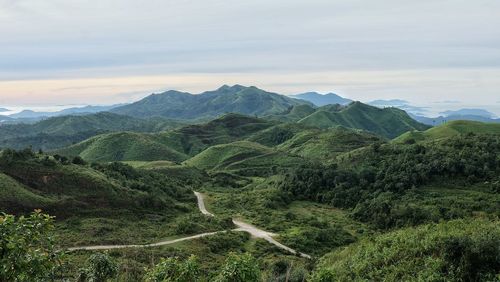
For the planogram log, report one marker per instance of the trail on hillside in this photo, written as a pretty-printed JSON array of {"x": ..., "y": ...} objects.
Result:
[
  {"x": 252, "y": 230},
  {"x": 242, "y": 226}
]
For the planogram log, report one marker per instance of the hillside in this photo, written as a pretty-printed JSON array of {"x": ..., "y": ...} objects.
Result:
[
  {"x": 461, "y": 250},
  {"x": 211, "y": 104},
  {"x": 322, "y": 99},
  {"x": 449, "y": 129},
  {"x": 61, "y": 131},
  {"x": 388, "y": 122},
  {"x": 123, "y": 146},
  {"x": 326, "y": 144},
  {"x": 175, "y": 145},
  {"x": 245, "y": 158}
]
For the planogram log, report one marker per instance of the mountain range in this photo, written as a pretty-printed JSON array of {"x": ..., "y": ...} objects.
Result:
[
  {"x": 322, "y": 99},
  {"x": 29, "y": 114},
  {"x": 210, "y": 104}
]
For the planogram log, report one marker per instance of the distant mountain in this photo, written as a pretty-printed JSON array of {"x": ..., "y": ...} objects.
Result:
[
  {"x": 400, "y": 104},
  {"x": 4, "y": 119},
  {"x": 62, "y": 131},
  {"x": 211, "y": 104},
  {"x": 469, "y": 112},
  {"x": 2, "y": 110},
  {"x": 29, "y": 114},
  {"x": 387, "y": 122},
  {"x": 322, "y": 99},
  {"x": 441, "y": 119}
]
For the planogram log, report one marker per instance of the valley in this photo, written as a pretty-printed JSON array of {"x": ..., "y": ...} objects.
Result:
[{"x": 292, "y": 189}]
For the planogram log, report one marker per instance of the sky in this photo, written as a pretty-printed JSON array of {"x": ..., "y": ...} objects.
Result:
[{"x": 441, "y": 54}]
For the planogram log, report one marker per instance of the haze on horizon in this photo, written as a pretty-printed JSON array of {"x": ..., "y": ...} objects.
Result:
[{"x": 435, "y": 53}]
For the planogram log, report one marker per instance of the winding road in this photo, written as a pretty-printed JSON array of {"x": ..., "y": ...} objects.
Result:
[{"x": 242, "y": 226}]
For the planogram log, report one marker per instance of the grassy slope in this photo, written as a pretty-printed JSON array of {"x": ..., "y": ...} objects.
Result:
[
  {"x": 176, "y": 145},
  {"x": 219, "y": 156},
  {"x": 327, "y": 144},
  {"x": 123, "y": 146},
  {"x": 436, "y": 252},
  {"x": 389, "y": 122},
  {"x": 450, "y": 129},
  {"x": 62, "y": 131}
]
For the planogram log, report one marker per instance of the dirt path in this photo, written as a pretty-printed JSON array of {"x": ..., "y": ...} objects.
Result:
[
  {"x": 242, "y": 226},
  {"x": 252, "y": 230}
]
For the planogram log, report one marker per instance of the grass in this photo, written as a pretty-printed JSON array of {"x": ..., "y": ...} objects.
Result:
[
  {"x": 261, "y": 205},
  {"x": 450, "y": 129},
  {"x": 388, "y": 122}
]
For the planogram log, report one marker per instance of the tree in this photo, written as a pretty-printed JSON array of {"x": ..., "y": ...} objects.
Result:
[
  {"x": 239, "y": 268},
  {"x": 78, "y": 161},
  {"x": 27, "y": 248},
  {"x": 99, "y": 268},
  {"x": 174, "y": 270}
]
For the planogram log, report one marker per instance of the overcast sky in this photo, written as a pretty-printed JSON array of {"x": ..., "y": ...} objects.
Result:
[{"x": 429, "y": 52}]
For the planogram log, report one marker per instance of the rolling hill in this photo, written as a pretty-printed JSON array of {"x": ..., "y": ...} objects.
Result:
[
  {"x": 211, "y": 104},
  {"x": 244, "y": 158},
  {"x": 175, "y": 145},
  {"x": 388, "y": 122},
  {"x": 449, "y": 129},
  {"x": 326, "y": 144},
  {"x": 62, "y": 131}
]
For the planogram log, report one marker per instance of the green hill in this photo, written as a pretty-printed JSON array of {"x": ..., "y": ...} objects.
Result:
[
  {"x": 175, "y": 145},
  {"x": 461, "y": 250},
  {"x": 32, "y": 180},
  {"x": 123, "y": 146},
  {"x": 244, "y": 158},
  {"x": 62, "y": 131},
  {"x": 278, "y": 134},
  {"x": 293, "y": 114},
  {"x": 219, "y": 156},
  {"x": 326, "y": 144},
  {"x": 388, "y": 122},
  {"x": 210, "y": 104},
  {"x": 450, "y": 129}
]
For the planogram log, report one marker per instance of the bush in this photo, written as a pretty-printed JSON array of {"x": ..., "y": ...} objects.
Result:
[
  {"x": 99, "y": 268},
  {"x": 459, "y": 250},
  {"x": 174, "y": 270},
  {"x": 239, "y": 268},
  {"x": 27, "y": 248}
]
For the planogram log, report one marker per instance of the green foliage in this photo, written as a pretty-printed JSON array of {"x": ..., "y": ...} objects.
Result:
[
  {"x": 461, "y": 250},
  {"x": 388, "y": 122},
  {"x": 99, "y": 268},
  {"x": 239, "y": 268},
  {"x": 223, "y": 242},
  {"x": 27, "y": 248},
  {"x": 395, "y": 168},
  {"x": 174, "y": 270}
]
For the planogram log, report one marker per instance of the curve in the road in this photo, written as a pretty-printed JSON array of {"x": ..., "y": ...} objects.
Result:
[
  {"x": 242, "y": 226},
  {"x": 252, "y": 230}
]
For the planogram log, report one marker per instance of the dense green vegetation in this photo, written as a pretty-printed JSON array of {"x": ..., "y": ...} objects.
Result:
[
  {"x": 461, "y": 250},
  {"x": 373, "y": 179}
]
